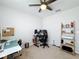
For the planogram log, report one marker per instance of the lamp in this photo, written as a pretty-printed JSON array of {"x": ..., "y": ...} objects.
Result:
[{"x": 43, "y": 7}]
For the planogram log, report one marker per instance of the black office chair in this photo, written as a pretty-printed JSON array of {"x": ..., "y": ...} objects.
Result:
[
  {"x": 19, "y": 53},
  {"x": 20, "y": 42},
  {"x": 44, "y": 39}
]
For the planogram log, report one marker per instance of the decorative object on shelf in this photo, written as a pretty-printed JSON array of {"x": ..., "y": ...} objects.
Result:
[
  {"x": 72, "y": 24},
  {"x": 67, "y": 25},
  {"x": 72, "y": 42},
  {"x": 63, "y": 31},
  {"x": 62, "y": 41},
  {"x": 72, "y": 31}
]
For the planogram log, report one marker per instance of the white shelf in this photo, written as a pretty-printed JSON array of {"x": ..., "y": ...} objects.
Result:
[{"x": 68, "y": 36}]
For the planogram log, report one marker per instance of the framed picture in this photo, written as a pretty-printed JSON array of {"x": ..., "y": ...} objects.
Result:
[{"x": 8, "y": 32}]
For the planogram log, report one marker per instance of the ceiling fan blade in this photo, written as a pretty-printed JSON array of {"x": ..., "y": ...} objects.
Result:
[
  {"x": 50, "y": 1},
  {"x": 49, "y": 8},
  {"x": 35, "y": 5},
  {"x": 39, "y": 10}
]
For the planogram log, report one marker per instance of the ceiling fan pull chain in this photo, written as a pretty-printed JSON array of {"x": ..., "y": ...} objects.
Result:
[{"x": 44, "y": 0}]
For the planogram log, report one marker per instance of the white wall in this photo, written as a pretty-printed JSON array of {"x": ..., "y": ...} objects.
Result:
[
  {"x": 23, "y": 23},
  {"x": 53, "y": 25}
]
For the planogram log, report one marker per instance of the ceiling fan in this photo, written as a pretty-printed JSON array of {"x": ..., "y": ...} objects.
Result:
[{"x": 44, "y": 5}]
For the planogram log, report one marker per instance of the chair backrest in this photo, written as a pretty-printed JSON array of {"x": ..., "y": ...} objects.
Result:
[
  {"x": 20, "y": 42},
  {"x": 35, "y": 31}
]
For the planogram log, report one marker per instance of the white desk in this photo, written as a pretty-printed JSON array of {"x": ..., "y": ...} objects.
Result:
[{"x": 10, "y": 49}]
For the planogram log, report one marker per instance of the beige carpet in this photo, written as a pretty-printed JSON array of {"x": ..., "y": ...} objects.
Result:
[{"x": 45, "y": 53}]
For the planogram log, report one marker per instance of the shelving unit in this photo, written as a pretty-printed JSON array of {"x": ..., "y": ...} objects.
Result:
[{"x": 68, "y": 37}]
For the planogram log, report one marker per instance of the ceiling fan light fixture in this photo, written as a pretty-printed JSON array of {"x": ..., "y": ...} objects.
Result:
[{"x": 43, "y": 7}]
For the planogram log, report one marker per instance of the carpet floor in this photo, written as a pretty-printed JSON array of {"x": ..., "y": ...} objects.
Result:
[{"x": 45, "y": 53}]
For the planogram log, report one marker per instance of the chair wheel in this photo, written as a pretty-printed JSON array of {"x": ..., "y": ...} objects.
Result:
[{"x": 20, "y": 54}]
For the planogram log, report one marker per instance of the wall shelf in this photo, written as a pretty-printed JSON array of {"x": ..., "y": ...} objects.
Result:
[{"x": 68, "y": 37}]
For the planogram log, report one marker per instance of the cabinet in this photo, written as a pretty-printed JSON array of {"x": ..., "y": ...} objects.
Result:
[{"x": 68, "y": 37}]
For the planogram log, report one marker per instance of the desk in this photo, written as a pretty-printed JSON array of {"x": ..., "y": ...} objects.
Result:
[{"x": 10, "y": 49}]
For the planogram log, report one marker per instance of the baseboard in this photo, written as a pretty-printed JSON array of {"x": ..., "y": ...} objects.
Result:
[
  {"x": 77, "y": 52},
  {"x": 56, "y": 46}
]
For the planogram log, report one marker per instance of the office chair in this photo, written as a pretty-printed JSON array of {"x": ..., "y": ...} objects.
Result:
[
  {"x": 20, "y": 43},
  {"x": 44, "y": 39},
  {"x": 35, "y": 38},
  {"x": 19, "y": 53}
]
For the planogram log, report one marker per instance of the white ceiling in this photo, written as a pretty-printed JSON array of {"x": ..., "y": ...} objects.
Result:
[{"x": 22, "y": 5}]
